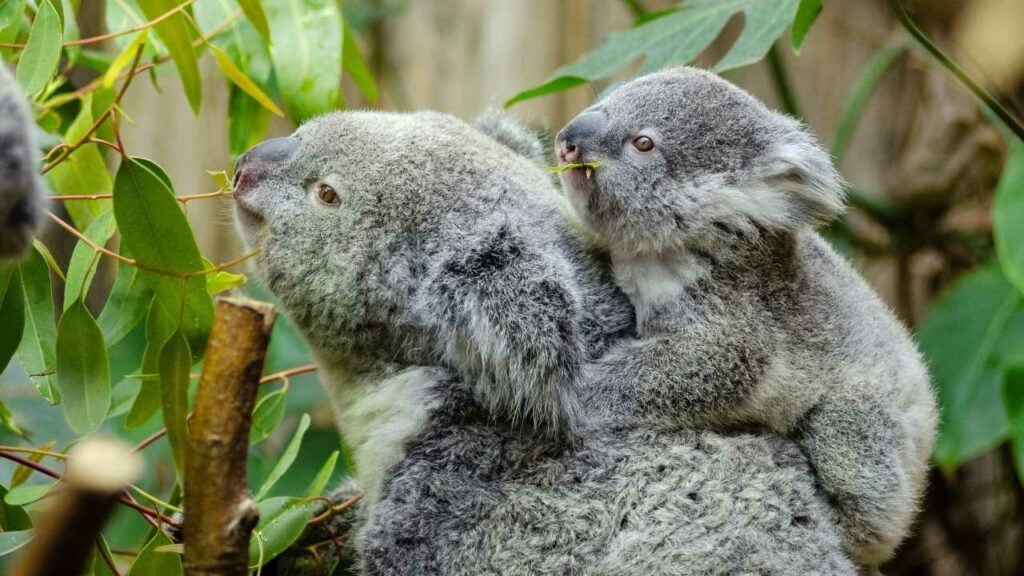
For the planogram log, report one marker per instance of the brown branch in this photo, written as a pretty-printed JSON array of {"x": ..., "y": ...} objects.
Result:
[
  {"x": 220, "y": 512},
  {"x": 98, "y": 471},
  {"x": 183, "y": 198}
]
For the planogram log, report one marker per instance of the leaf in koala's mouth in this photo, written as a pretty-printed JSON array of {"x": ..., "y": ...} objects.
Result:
[{"x": 589, "y": 166}]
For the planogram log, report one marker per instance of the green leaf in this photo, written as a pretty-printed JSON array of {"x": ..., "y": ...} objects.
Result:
[
  {"x": 158, "y": 235},
  {"x": 123, "y": 396},
  {"x": 7, "y": 422},
  {"x": 36, "y": 353},
  {"x": 159, "y": 328},
  {"x": 966, "y": 339},
  {"x": 282, "y": 521},
  {"x": 84, "y": 261},
  {"x": 266, "y": 416},
  {"x": 125, "y": 58},
  {"x": 853, "y": 107},
  {"x": 242, "y": 81},
  {"x": 27, "y": 494},
  {"x": 11, "y": 12},
  {"x": 83, "y": 172},
  {"x": 308, "y": 62},
  {"x": 39, "y": 60},
  {"x": 319, "y": 483},
  {"x": 254, "y": 12},
  {"x": 12, "y": 518},
  {"x": 48, "y": 257},
  {"x": 355, "y": 66},
  {"x": 675, "y": 37},
  {"x": 82, "y": 370},
  {"x": 176, "y": 35},
  {"x": 806, "y": 14},
  {"x": 175, "y": 362},
  {"x": 1009, "y": 215},
  {"x": 127, "y": 304},
  {"x": 1013, "y": 399},
  {"x": 153, "y": 563},
  {"x": 12, "y": 313},
  {"x": 286, "y": 460},
  {"x": 14, "y": 541},
  {"x": 247, "y": 121}
]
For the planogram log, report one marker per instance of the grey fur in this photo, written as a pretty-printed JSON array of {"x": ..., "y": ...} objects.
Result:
[
  {"x": 445, "y": 257},
  {"x": 746, "y": 316},
  {"x": 21, "y": 192}
]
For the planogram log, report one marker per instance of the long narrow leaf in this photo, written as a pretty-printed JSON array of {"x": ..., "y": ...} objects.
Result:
[
  {"x": 286, "y": 460},
  {"x": 83, "y": 372}
]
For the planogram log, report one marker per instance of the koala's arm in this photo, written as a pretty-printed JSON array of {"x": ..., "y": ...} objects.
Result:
[
  {"x": 21, "y": 195},
  {"x": 697, "y": 375},
  {"x": 507, "y": 314}
]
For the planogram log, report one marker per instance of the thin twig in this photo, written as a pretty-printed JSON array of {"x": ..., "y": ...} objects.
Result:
[
  {"x": 111, "y": 35},
  {"x": 998, "y": 109}
]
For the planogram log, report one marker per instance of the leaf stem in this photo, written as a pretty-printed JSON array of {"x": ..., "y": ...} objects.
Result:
[{"x": 990, "y": 102}]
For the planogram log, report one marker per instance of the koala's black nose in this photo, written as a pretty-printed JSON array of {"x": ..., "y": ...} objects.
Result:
[
  {"x": 259, "y": 157},
  {"x": 571, "y": 141}
]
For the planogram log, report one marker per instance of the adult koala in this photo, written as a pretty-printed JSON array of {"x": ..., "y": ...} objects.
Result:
[
  {"x": 415, "y": 253},
  {"x": 20, "y": 188}
]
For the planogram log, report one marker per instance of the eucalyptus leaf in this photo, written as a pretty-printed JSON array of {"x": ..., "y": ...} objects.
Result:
[
  {"x": 152, "y": 562},
  {"x": 12, "y": 517},
  {"x": 1013, "y": 399},
  {"x": 675, "y": 37},
  {"x": 175, "y": 362},
  {"x": 266, "y": 416},
  {"x": 82, "y": 172},
  {"x": 355, "y": 66},
  {"x": 806, "y": 14},
  {"x": 37, "y": 353},
  {"x": 176, "y": 34},
  {"x": 1008, "y": 213},
  {"x": 84, "y": 260},
  {"x": 26, "y": 494},
  {"x": 282, "y": 521},
  {"x": 254, "y": 12},
  {"x": 286, "y": 460},
  {"x": 159, "y": 328},
  {"x": 126, "y": 305},
  {"x": 319, "y": 483},
  {"x": 39, "y": 60},
  {"x": 157, "y": 234},
  {"x": 83, "y": 372},
  {"x": 12, "y": 312},
  {"x": 14, "y": 541},
  {"x": 308, "y": 63},
  {"x": 967, "y": 338},
  {"x": 244, "y": 83}
]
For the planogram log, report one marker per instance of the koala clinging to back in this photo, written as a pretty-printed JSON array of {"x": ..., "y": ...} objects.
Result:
[{"x": 706, "y": 201}]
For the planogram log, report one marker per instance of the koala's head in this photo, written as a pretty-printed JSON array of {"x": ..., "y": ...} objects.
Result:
[
  {"x": 21, "y": 191},
  {"x": 354, "y": 209},
  {"x": 686, "y": 158}
]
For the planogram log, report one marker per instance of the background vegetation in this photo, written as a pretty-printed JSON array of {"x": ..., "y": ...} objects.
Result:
[{"x": 93, "y": 324}]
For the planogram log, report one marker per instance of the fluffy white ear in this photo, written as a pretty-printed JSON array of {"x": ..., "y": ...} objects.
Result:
[
  {"x": 802, "y": 175},
  {"x": 501, "y": 126}
]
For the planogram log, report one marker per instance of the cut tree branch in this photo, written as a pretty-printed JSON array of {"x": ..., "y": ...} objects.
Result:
[
  {"x": 219, "y": 511},
  {"x": 98, "y": 472}
]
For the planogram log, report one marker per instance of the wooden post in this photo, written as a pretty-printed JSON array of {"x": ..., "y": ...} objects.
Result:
[
  {"x": 219, "y": 511},
  {"x": 98, "y": 471}
]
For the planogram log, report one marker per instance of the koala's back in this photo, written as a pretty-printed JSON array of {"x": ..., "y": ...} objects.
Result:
[{"x": 469, "y": 498}]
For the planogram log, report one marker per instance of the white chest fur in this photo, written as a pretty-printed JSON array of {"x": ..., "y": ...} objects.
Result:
[
  {"x": 378, "y": 414},
  {"x": 655, "y": 279}
]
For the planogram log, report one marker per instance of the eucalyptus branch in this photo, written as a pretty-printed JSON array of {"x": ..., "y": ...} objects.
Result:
[
  {"x": 142, "y": 266},
  {"x": 111, "y": 35},
  {"x": 183, "y": 198},
  {"x": 123, "y": 499},
  {"x": 111, "y": 111},
  {"x": 975, "y": 88}
]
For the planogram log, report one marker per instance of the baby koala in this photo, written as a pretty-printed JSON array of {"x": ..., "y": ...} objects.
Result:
[{"x": 706, "y": 202}]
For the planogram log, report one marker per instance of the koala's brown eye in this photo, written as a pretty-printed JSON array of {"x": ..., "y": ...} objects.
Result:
[
  {"x": 326, "y": 194},
  {"x": 643, "y": 143}
]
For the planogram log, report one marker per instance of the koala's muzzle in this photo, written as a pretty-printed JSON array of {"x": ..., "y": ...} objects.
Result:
[
  {"x": 260, "y": 157},
  {"x": 571, "y": 142}
]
